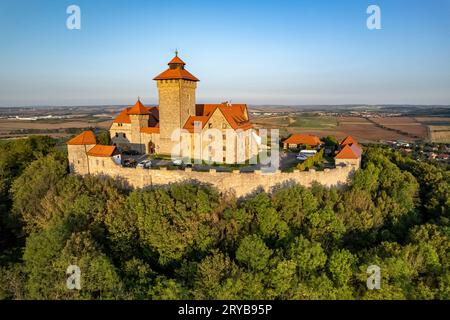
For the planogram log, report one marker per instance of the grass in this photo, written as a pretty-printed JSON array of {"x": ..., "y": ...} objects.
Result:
[{"x": 316, "y": 122}]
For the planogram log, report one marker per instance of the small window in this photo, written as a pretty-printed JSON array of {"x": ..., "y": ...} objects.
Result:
[
  {"x": 117, "y": 135},
  {"x": 224, "y": 125},
  {"x": 209, "y": 125},
  {"x": 124, "y": 135}
]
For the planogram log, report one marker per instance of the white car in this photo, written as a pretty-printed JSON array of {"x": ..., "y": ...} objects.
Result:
[
  {"x": 177, "y": 162},
  {"x": 308, "y": 153},
  {"x": 301, "y": 157},
  {"x": 146, "y": 164}
]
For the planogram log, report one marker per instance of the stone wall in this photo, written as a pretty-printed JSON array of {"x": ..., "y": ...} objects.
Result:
[
  {"x": 240, "y": 184},
  {"x": 78, "y": 159}
]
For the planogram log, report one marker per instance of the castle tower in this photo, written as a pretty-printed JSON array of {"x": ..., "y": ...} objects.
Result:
[
  {"x": 176, "y": 90},
  {"x": 139, "y": 116},
  {"x": 77, "y": 149}
]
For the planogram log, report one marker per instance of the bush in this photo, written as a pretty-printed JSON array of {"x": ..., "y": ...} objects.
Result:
[{"x": 311, "y": 161}]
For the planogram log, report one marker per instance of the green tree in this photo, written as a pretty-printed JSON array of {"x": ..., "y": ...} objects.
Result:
[
  {"x": 175, "y": 221},
  {"x": 309, "y": 256},
  {"x": 340, "y": 266},
  {"x": 31, "y": 186},
  {"x": 253, "y": 253}
]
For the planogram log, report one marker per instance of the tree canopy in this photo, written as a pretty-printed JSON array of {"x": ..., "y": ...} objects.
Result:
[{"x": 187, "y": 241}]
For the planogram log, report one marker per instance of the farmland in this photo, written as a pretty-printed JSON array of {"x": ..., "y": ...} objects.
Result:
[{"x": 364, "y": 129}]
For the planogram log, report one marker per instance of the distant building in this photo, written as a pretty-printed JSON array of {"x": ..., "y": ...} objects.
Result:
[
  {"x": 296, "y": 140},
  {"x": 350, "y": 152}
]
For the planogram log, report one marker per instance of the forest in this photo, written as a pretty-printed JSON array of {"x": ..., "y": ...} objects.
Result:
[{"x": 187, "y": 241}]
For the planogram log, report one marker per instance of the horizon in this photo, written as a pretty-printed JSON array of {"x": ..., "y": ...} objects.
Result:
[
  {"x": 349, "y": 105},
  {"x": 300, "y": 54}
]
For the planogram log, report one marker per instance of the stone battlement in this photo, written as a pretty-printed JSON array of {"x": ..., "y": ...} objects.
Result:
[{"x": 239, "y": 183}]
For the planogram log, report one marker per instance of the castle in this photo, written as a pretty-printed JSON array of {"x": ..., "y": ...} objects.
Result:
[
  {"x": 150, "y": 130},
  {"x": 160, "y": 129}
]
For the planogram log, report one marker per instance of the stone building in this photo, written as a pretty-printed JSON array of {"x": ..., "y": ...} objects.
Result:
[
  {"x": 297, "y": 140},
  {"x": 349, "y": 152},
  {"x": 85, "y": 155},
  {"x": 178, "y": 124}
]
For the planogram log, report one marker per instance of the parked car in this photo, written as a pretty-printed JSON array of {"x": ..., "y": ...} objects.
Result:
[
  {"x": 177, "y": 162},
  {"x": 146, "y": 164},
  {"x": 130, "y": 163},
  {"x": 130, "y": 152},
  {"x": 308, "y": 153},
  {"x": 305, "y": 154}
]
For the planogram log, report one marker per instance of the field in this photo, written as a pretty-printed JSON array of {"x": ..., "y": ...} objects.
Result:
[
  {"x": 440, "y": 134},
  {"x": 363, "y": 129},
  {"x": 322, "y": 122},
  {"x": 55, "y": 128}
]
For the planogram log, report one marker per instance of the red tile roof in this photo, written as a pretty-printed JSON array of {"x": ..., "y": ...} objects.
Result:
[
  {"x": 87, "y": 137},
  {"x": 138, "y": 109},
  {"x": 123, "y": 116},
  {"x": 349, "y": 152},
  {"x": 102, "y": 151},
  {"x": 189, "y": 125},
  {"x": 176, "y": 60},
  {"x": 303, "y": 139},
  {"x": 235, "y": 114},
  {"x": 348, "y": 140},
  {"x": 170, "y": 74},
  {"x": 176, "y": 71},
  {"x": 150, "y": 129}
]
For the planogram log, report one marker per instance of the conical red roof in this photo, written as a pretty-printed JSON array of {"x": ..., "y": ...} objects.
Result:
[
  {"x": 176, "y": 71},
  {"x": 139, "y": 108},
  {"x": 176, "y": 60}
]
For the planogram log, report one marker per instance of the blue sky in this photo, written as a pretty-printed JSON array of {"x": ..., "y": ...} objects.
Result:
[{"x": 247, "y": 51}]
